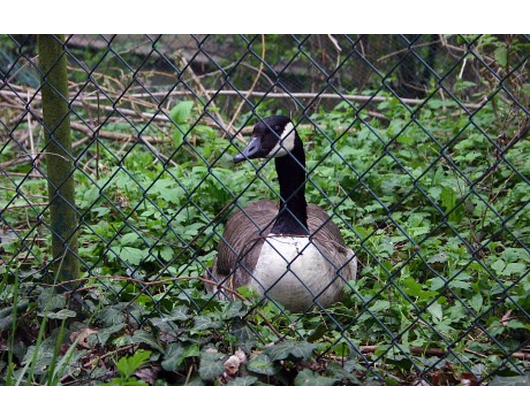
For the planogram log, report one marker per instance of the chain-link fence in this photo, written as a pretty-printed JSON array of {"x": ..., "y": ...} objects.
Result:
[{"x": 416, "y": 147}]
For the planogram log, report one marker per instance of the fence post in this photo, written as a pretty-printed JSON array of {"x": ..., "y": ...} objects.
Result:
[{"x": 58, "y": 151}]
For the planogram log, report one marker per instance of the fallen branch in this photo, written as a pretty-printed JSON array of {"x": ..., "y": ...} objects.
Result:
[
  {"x": 414, "y": 350},
  {"x": 16, "y": 161},
  {"x": 521, "y": 355},
  {"x": 211, "y": 93},
  {"x": 91, "y": 132},
  {"x": 435, "y": 351},
  {"x": 309, "y": 95}
]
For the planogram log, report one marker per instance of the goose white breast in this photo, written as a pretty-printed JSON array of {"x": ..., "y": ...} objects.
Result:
[{"x": 294, "y": 271}]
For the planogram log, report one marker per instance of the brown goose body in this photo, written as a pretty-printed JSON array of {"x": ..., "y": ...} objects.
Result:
[{"x": 291, "y": 252}]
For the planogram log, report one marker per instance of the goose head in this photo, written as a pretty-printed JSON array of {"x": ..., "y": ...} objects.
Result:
[
  {"x": 276, "y": 138},
  {"x": 273, "y": 137}
]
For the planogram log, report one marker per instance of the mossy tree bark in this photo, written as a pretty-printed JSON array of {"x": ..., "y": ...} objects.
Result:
[{"x": 59, "y": 160}]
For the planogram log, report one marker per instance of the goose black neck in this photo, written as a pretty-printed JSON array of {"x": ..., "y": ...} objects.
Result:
[{"x": 292, "y": 217}]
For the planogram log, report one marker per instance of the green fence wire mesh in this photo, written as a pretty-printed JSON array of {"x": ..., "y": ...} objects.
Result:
[{"x": 417, "y": 147}]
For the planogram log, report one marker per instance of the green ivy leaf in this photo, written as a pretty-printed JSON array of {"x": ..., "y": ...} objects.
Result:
[
  {"x": 523, "y": 380},
  {"x": 515, "y": 324},
  {"x": 526, "y": 89},
  {"x": 501, "y": 55},
  {"x": 297, "y": 350},
  {"x": 476, "y": 302},
  {"x": 514, "y": 268},
  {"x": 435, "y": 309},
  {"x": 262, "y": 364},
  {"x": 111, "y": 316},
  {"x": 449, "y": 199},
  {"x": 133, "y": 256},
  {"x": 440, "y": 257},
  {"x": 309, "y": 378},
  {"x": 166, "y": 253},
  {"x": 413, "y": 288},
  {"x": 498, "y": 266},
  {"x": 176, "y": 353},
  {"x": 104, "y": 334},
  {"x": 127, "y": 365},
  {"x": 50, "y": 301},
  {"x": 173, "y": 357},
  {"x": 129, "y": 238},
  {"x": 179, "y": 313},
  {"x": 144, "y": 337},
  {"x": 191, "y": 350},
  {"x": 62, "y": 314},
  {"x": 40, "y": 355},
  {"x": 173, "y": 196},
  {"x": 181, "y": 112},
  {"x": 244, "y": 335},
  {"x": 6, "y": 314},
  {"x": 232, "y": 310},
  {"x": 380, "y": 305},
  {"x": 436, "y": 283},
  {"x": 243, "y": 381},
  {"x": 211, "y": 365},
  {"x": 201, "y": 323}
]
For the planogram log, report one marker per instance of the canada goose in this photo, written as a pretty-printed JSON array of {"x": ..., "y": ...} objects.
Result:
[{"x": 290, "y": 252}]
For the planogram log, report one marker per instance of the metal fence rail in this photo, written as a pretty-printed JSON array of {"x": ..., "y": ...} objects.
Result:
[{"x": 417, "y": 147}]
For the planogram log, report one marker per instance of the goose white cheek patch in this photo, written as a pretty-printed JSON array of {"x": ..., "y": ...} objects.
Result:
[{"x": 286, "y": 143}]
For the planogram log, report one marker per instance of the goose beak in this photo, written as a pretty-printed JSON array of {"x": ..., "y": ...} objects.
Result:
[{"x": 252, "y": 150}]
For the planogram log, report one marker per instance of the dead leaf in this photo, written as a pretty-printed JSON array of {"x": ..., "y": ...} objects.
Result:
[
  {"x": 506, "y": 318},
  {"x": 422, "y": 382},
  {"x": 148, "y": 374},
  {"x": 234, "y": 362},
  {"x": 444, "y": 377},
  {"x": 82, "y": 335},
  {"x": 468, "y": 379}
]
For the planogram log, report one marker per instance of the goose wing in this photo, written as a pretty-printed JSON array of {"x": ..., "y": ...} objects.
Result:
[
  {"x": 238, "y": 251},
  {"x": 328, "y": 238}
]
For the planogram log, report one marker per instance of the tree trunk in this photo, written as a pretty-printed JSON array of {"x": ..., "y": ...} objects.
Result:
[{"x": 59, "y": 159}]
